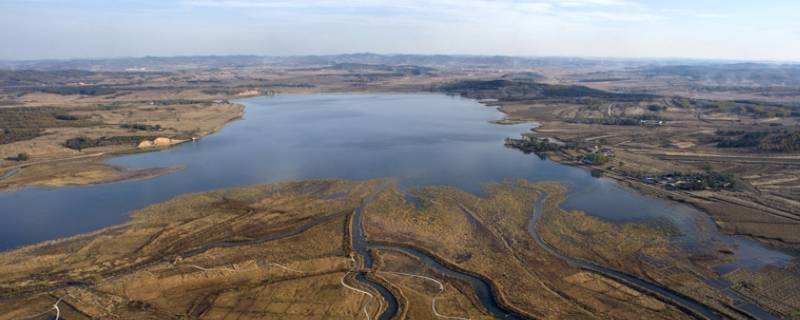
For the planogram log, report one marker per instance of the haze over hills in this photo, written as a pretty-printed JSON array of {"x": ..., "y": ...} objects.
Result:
[
  {"x": 215, "y": 61},
  {"x": 108, "y": 64},
  {"x": 560, "y": 69}
]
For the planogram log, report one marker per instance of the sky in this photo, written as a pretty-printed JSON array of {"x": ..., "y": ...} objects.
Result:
[{"x": 703, "y": 29}]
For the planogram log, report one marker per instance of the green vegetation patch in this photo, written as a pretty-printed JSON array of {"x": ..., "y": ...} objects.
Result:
[
  {"x": 527, "y": 90},
  {"x": 81, "y": 90},
  {"x": 756, "y": 109},
  {"x": 752, "y": 108},
  {"x": 37, "y": 78},
  {"x": 23, "y": 123},
  {"x": 538, "y": 146},
  {"x": 141, "y": 127},
  {"x": 595, "y": 159},
  {"x": 80, "y": 143},
  {"x": 20, "y": 157},
  {"x": 768, "y": 141}
]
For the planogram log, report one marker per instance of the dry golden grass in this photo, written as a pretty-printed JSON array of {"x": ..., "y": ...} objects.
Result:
[
  {"x": 580, "y": 235},
  {"x": 282, "y": 251},
  {"x": 487, "y": 236},
  {"x": 644, "y": 250},
  {"x": 277, "y": 251},
  {"x": 77, "y": 172},
  {"x": 418, "y": 287}
]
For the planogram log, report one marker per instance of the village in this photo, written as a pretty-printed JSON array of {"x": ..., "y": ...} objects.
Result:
[
  {"x": 692, "y": 182},
  {"x": 595, "y": 156}
]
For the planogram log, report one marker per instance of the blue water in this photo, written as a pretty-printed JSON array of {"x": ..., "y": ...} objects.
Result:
[{"x": 415, "y": 138}]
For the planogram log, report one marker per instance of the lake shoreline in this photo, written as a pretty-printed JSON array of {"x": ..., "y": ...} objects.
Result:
[
  {"x": 713, "y": 211},
  {"x": 94, "y": 169}
]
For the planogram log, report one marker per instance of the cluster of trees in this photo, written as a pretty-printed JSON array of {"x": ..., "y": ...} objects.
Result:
[
  {"x": 9, "y": 135},
  {"x": 538, "y": 146},
  {"x": 82, "y": 90},
  {"x": 714, "y": 181},
  {"x": 689, "y": 181},
  {"x": 80, "y": 143},
  {"x": 28, "y": 77},
  {"x": 622, "y": 121},
  {"x": 596, "y": 158},
  {"x": 141, "y": 126},
  {"x": 767, "y": 141},
  {"x": 762, "y": 111},
  {"x": 23, "y": 123},
  {"x": 171, "y": 102},
  {"x": 530, "y": 90},
  {"x": 782, "y": 142},
  {"x": 533, "y": 145},
  {"x": 755, "y": 109},
  {"x": 741, "y": 139},
  {"x": 66, "y": 117}
]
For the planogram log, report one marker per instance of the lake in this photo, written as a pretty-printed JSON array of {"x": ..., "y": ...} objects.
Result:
[{"x": 419, "y": 139}]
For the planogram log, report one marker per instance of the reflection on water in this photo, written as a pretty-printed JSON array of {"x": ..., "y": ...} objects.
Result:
[{"x": 416, "y": 138}]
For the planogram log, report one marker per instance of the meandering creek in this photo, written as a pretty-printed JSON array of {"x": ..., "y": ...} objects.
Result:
[
  {"x": 681, "y": 300},
  {"x": 482, "y": 288},
  {"x": 418, "y": 139}
]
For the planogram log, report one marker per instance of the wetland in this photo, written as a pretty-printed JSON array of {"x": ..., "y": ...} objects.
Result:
[{"x": 468, "y": 225}]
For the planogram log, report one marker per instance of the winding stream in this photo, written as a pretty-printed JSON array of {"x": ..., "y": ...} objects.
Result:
[
  {"x": 687, "y": 303},
  {"x": 680, "y": 299},
  {"x": 359, "y": 243},
  {"x": 483, "y": 289}
]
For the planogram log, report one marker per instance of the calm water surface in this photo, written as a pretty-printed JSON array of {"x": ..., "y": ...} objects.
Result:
[{"x": 417, "y": 138}]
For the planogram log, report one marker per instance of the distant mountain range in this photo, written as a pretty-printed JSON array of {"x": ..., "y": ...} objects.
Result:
[
  {"x": 192, "y": 62},
  {"x": 723, "y": 72}
]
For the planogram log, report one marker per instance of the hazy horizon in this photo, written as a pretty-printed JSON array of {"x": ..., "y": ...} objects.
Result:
[
  {"x": 593, "y": 29},
  {"x": 587, "y": 58}
]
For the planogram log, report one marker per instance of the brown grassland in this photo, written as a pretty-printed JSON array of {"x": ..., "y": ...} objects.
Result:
[{"x": 283, "y": 251}]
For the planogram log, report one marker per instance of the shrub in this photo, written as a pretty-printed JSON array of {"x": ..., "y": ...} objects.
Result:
[
  {"x": 79, "y": 90},
  {"x": 141, "y": 127},
  {"x": 597, "y": 158},
  {"x": 79, "y": 143},
  {"x": 65, "y": 117}
]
